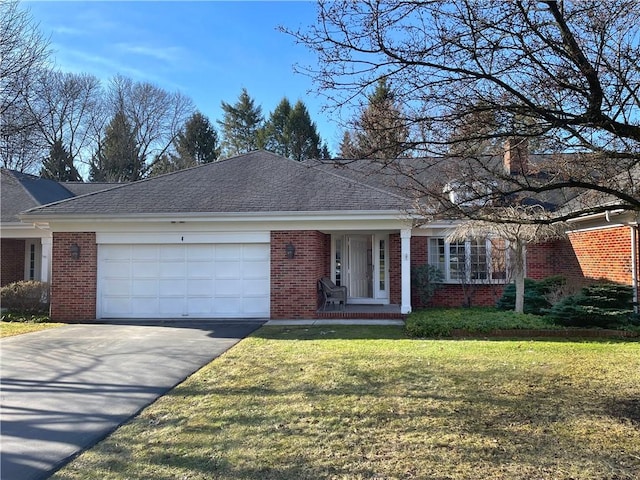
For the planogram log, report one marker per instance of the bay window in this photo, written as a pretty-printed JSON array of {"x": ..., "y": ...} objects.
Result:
[{"x": 477, "y": 260}]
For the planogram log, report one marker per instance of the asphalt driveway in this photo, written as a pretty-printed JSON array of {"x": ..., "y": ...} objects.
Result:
[{"x": 66, "y": 388}]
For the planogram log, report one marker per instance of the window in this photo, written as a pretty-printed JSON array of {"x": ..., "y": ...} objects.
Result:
[
  {"x": 32, "y": 262},
  {"x": 382, "y": 266},
  {"x": 476, "y": 260}
]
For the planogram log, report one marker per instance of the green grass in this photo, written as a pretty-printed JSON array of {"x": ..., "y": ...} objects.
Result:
[
  {"x": 8, "y": 329},
  {"x": 366, "y": 402},
  {"x": 439, "y": 322}
]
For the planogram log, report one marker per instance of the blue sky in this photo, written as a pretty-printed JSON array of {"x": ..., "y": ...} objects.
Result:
[{"x": 209, "y": 50}]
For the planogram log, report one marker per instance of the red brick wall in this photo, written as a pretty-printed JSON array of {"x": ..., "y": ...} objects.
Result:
[
  {"x": 395, "y": 269},
  {"x": 73, "y": 282},
  {"x": 475, "y": 295},
  {"x": 12, "y": 260},
  {"x": 552, "y": 258},
  {"x": 451, "y": 294},
  {"x": 604, "y": 253},
  {"x": 294, "y": 291}
]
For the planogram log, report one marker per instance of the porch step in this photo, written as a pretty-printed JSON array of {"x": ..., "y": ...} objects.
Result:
[{"x": 369, "y": 312}]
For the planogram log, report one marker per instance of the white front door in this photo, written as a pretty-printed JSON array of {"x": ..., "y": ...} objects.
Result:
[{"x": 360, "y": 264}]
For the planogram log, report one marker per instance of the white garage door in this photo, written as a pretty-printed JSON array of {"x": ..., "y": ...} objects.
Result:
[{"x": 184, "y": 281}]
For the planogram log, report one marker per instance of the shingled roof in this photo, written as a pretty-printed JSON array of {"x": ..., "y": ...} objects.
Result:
[
  {"x": 254, "y": 182},
  {"x": 21, "y": 191}
]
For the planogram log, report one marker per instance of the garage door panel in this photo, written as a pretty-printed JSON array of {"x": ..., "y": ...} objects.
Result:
[
  {"x": 257, "y": 269},
  {"x": 118, "y": 306},
  {"x": 227, "y": 306},
  {"x": 145, "y": 269},
  {"x": 200, "y": 287},
  {"x": 203, "y": 269},
  {"x": 227, "y": 252},
  {"x": 171, "y": 270},
  {"x": 120, "y": 287},
  {"x": 256, "y": 305},
  {"x": 171, "y": 307},
  {"x": 255, "y": 252},
  {"x": 178, "y": 281},
  {"x": 226, "y": 270},
  {"x": 145, "y": 306},
  {"x": 143, "y": 252},
  {"x": 117, "y": 268},
  {"x": 144, "y": 287},
  {"x": 255, "y": 287}
]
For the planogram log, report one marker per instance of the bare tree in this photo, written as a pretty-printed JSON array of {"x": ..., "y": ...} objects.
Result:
[
  {"x": 24, "y": 52},
  {"x": 517, "y": 235},
  {"x": 66, "y": 106},
  {"x": 157, "y": 116},
  {"x": 563, "y": 73}
]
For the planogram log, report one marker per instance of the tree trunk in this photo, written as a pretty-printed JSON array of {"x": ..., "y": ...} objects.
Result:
[{"x": 518, "y": 272}]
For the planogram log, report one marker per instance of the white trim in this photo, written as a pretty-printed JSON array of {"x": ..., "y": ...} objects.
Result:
[
  {"x": 176, "y": 238},
  {"x": 45, "y": 265},
  {"x": 405, "y": 271},
  {"x": 599, "y": 227}
]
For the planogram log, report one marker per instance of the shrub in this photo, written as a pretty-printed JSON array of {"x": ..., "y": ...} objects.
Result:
[
  {"x": 603, "y": 305},
  {"x": 25, "y": 297},
  {"x": 536, "y": 294},
  {"x": 426, "y": 279},
  {"x": 438, "y": 322}
]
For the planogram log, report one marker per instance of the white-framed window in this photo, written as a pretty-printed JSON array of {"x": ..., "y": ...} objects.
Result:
[{"x": 478, "y": 260}]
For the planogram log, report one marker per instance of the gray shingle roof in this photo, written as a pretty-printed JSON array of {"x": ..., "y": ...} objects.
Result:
[
  {"x": 21, "y": 191},
  {"x": 255, "y": 182}
]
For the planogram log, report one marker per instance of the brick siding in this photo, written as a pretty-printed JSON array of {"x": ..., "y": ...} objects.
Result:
[
  {"x": 294, "y": 291},
  {"x": 604, "y": 253},
  {"x": 395, "y": 269},
  {"x": 12, "y": 255},
  {"x": 73, "y": 282}
]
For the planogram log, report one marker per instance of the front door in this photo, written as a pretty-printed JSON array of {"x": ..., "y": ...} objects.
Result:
[{"x": 360, "y": 265}]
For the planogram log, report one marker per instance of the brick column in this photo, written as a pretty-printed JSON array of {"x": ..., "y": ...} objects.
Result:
[
  {"x": 294, "y": 293},
  {"x": 73, "y": 281}
]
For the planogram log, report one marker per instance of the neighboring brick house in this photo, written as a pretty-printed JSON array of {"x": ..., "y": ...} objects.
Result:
[{"x": 249, "y": 237}]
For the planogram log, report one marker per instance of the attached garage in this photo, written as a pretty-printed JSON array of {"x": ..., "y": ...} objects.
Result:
[{"x": 196, "y": 280}]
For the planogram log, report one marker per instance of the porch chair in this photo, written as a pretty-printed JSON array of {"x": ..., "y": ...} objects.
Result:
[{"x": 331, "y": 293}]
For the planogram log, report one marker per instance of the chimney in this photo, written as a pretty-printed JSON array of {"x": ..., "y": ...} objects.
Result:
[{"x": 516, "y": 156}]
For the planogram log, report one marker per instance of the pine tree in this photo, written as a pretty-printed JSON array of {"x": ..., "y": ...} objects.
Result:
[
  {"x": 277, "y": 134},
  {"x": 291, "y": 133},
  {"x": 197, "y": 143},
  {"x": 241, "y": 126},
  {"x": 117, "y": 157},
  {"x": 380, "y": 130},
  {"x": 59, "y": 165},
  {"x": 305, "y": 141}
]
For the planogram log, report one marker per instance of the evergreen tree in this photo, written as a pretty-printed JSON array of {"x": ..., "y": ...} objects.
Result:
[
  {"x": 305, "y": 140},
  {"x": 380, "y": 130},
  {"x": 277, "y": 131},
  {"x": 59, "y": 165},
  {"x": 324, "y": 152},
  {"x": 241, "y": 125},
  {"x": 197, "y": 143},
  {"x": 291, "y": 133},
  {"x": 117, "y": 158},
  {"x": 347, "y": 146}
]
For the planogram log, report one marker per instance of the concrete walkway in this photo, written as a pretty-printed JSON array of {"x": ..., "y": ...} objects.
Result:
[{"x": 66, "y": 388}]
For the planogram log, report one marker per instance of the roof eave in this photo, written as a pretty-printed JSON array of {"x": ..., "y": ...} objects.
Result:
[{"x": 214, "y": 216}]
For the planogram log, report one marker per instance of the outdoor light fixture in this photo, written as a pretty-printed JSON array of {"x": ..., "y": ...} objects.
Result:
[
  {"x": 74, "y": 250},
  {"x": 290, "y": 250}
]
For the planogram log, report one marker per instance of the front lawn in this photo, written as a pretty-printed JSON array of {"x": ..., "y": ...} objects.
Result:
[
  {"x": 8, "y": 329},
  {"x": 366, "y": 402}
]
